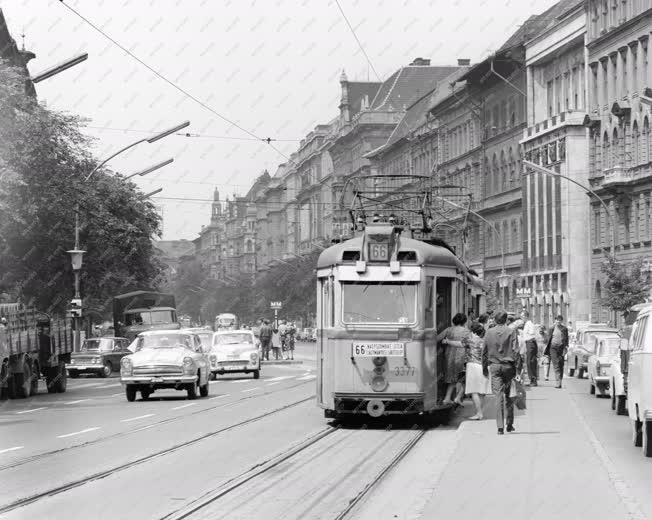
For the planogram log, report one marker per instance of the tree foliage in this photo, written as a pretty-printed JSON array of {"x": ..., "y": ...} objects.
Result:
[
  {"x": 626, "y": 284},
  {"x": 44, "y": 159}
]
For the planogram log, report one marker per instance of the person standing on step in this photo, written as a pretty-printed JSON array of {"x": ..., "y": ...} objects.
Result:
[
  {"x": 529, "y": 336},
  {"x": 557, "y": 347},
  {"x": 502, "y": 361}
]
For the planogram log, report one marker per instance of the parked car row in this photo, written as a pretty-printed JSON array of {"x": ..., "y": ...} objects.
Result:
[
  {"x": 307, "y": 335},
  {"x": 620, "y": 368}
]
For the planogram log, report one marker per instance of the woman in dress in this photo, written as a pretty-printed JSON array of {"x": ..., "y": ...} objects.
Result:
[
  {"x": 476, "y": 383},
  {"x": 455, "y": 338}
]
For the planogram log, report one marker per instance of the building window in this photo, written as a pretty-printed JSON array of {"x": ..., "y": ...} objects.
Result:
[
  {"x": 549, "y": 93},
  {"x": 596, "y": 228},
  {"x": 648, "y": 216},
  {"x": 636, "y": 208},
  {"x": 615, "y": 149},
  {"x": 624, "y": 83},
  {"x": 636, "y": 159}
]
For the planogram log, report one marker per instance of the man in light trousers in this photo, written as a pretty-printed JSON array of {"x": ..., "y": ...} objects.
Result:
[{"x": 531, "y": 348}]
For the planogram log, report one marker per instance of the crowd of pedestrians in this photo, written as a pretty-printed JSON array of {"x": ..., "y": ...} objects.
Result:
[
  {"x": 492, "y": 354},
  {"x": 279, "y": 339}
]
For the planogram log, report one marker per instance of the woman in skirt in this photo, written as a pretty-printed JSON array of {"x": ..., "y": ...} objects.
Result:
[
  {"x": 476, "y": 383},
  {"x": 455, "y": 339}
]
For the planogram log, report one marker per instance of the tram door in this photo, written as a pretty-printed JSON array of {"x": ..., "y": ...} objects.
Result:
[
  {"x": 445, "y": 303},
  {"x": 325, "y": 313}
]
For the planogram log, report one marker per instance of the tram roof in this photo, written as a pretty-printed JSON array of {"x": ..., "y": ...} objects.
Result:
[{"x": 426, "y": 254}]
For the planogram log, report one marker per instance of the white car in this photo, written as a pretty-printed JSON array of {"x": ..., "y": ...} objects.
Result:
[
  {"x": 235, "y": 351},
  {"x": 639, "y": 387},
  {"x": 606, "y": 353}
]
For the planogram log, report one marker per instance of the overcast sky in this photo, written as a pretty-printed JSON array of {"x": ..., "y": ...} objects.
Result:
[{"x": 270, "y": 66}]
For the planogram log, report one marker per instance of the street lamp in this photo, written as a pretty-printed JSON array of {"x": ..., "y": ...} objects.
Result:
[
  {"x": 48, "y": 73},
  {"x": 503, "y": 283},
  {"x": 76, "y": 257},
  {"x": 150, "y": 169}
]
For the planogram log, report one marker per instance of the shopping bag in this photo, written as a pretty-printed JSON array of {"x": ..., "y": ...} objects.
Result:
[{"x": 518, "y": 395}]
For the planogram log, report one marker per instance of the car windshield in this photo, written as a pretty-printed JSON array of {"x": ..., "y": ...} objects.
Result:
[
  {"x": 379, "y": 303},
  {"x": 232, "y": 339},
  {"x": 149, "y": 318},
  {"x": 161, "y": 341},
  {"x": 97, "y": 344},
  {"x": 609, "y": 347},
  {"x": 591, "y": 337},
  {"x": 206, "y": 338}
]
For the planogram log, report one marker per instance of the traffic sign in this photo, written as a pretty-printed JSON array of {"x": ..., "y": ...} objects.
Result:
[{"x": 276, "y": 305}]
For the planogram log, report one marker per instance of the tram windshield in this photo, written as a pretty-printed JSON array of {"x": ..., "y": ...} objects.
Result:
[{"x": 379, "y": 302}]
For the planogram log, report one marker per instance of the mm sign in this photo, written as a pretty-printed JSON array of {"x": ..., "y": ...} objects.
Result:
[{"x": 276, "y": 305}]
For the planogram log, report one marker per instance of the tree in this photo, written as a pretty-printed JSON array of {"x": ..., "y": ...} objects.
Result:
[
  {"x": 626, "y": 284},
  {"x": 44, "y": 159}
]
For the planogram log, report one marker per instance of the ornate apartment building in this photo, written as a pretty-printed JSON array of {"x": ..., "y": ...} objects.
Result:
[{"x": 620, "y": 146}]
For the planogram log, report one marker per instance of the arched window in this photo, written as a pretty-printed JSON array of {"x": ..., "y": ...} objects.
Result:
[
  {"x": 615, "y": 149},
  {"x": 606, "y": 152},
  {"x": 598, "y": 300},
  {"x": 636, "y": 142},
  {"x": 645, "y": 141},
  {"x": 503, "y": 171},
  {"x": 511, "y": 166},
  {"x": 495, "y": 174}
]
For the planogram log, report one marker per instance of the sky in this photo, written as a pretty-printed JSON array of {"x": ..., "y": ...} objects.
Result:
[{"x": 239, "y": 70}]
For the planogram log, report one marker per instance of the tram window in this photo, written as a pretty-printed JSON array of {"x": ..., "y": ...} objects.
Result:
[
  {"x": 379, "y": 303},
  {"x": 429, "y": 304},
  {"x": 444, "y": 302}
]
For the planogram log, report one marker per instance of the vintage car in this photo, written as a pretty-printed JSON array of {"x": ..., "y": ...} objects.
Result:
[
  {"x": 639, "y": 391},
  {"x": 99, "y": 356},
  {"x": 165, "y": 359},
  {"x": 235, "y": 351},
  {"x": 582, "y": 345},
  {"x": 606, "y": 353}
]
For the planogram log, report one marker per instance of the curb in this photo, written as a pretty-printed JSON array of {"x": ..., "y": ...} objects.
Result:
[{"x": 283, "y": 362}]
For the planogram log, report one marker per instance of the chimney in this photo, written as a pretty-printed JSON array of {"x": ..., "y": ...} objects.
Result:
[
  {"x": 463, "y": 62},
  {"x": 420, "y": 62}
]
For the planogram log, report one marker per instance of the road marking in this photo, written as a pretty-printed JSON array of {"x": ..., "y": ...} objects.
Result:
[
  {"x": 115, "y": 395},
  {"x": 12, "y": 449},
  {"x": 306, "y": 378},
  {"x": 272, "y": 384},
  {"x": 89, "y": 385},
  {"x": 219, "y": 396},
  {"x": 280, "y": 378},
  {"x": 144, "y": 428},
  {"x": 252, "y": 389},
  {"x": 184, "y": 406},
  {"x": 139, "y": 417},
  {"x": 32, "y": 410},
  {"x": 112, "y": 385},
  {"x": 76, "y": 402},
  {"x": 78, "y": 433}
]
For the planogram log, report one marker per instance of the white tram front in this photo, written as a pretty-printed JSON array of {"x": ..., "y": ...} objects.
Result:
[{"x": 381, "y": 298}]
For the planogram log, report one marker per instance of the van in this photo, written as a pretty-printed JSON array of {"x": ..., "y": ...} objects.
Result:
[{"x": 639, "y": 391}]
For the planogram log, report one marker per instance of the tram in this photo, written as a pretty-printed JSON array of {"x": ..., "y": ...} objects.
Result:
[{"x": 381, "y": 299}]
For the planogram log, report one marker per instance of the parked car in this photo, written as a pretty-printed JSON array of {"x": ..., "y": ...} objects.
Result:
[
  {"x": 165, "y": 359},
  {"x": 639, "y": 392},
  {"x": 235, "y": 351},
  {"x": 617, "y": 379},
  {"x": 99, "y": 356},
  {"x": 606, "y": 353},
  {"x": 582, "y": 345}
]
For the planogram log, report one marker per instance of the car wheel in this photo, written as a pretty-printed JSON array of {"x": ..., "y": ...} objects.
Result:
[
  {"x": 62, "y": 378},
  {"x": 591, "y": 388},
  {"x": 107, "y": 369},
  {"x": 613, "y": 397},
  {"x": 130, "y": 392},
  {"x": 203, "y": 390},
  {"x": 256, "y": 374},
  {"x": 580, "y": 373},
  {"x": 647, "y": 439},
  {"x": 192, "y": 390},
  {"x": 621, "y": 405},
  {"x": 571, "y": 371},
  {"x": 4, "y": 381},
  {"x": 73, "y": 373},
  {"x": 637, "y": 435}
]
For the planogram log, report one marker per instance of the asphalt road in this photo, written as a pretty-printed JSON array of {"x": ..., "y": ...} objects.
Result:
[{"x": 262, "y": 449}]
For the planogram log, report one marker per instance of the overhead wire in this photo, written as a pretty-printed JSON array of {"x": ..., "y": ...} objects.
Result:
[{"x": 188, "y": 134}]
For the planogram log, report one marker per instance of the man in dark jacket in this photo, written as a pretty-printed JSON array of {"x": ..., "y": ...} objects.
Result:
[
  {"x": 501, "y": 360},
  {"x": 557, "y": 347},
  {"x": 265, "y": 336}
]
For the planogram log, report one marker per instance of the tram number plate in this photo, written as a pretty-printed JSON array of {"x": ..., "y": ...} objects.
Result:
[
  {"x": 378, "y": 349},
  {"x": 378, "y": 252},
  {"x": 404, "y": 371}
]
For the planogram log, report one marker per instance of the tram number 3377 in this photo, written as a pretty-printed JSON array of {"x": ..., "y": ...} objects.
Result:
[{"x": 404, "y": 371}]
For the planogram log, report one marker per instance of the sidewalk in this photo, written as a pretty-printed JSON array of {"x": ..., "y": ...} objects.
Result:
[{"x": 553, "y": 467}]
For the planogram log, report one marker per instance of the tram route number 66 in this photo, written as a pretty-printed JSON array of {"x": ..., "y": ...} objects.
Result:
[{"x": 378, "y": 251}]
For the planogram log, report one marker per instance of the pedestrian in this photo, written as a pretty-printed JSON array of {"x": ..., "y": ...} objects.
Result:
[
  {"x": 276, "y": 342},
  {"x": 477, "y": 384},
  {"x": 471, "y": 318},
  {"x": 455, "y": 338},
  {"x": 290, "y": 335},
  {"x": 482, "y": 320},
  {"x": 557, "y": 347},
  {"x": 266, "y": 333},
  {"x": 502, "y": 361},
  {"x": 529, "y": 337}
]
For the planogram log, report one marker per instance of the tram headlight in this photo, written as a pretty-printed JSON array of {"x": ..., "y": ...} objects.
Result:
[
  {"x": 379, "y": 384},
  {"x": 379, "y": 361}
]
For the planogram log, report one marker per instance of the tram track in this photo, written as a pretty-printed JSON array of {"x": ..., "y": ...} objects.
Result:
[
  {"x": 259, "y": 471},
  {"x": 122, "y": 467},
  {"x": 38, "y": 457}
]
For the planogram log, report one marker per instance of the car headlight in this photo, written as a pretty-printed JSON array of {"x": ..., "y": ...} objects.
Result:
[
  {"x": 188, "y": 366},
  {"x": 96, "y": 360},
  {"x": 72, "y": 361},
  {"x": 213, "y": 359},
  {"x": 604, "y": 370},
  {"x": 254, "y": 357},
  {"x": 126, "y": 367}
]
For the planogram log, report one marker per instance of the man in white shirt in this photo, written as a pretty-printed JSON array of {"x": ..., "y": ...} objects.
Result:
[{"x": 531, "y": 348}]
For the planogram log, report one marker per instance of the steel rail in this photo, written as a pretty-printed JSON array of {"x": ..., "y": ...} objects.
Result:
[
  {"x": 378, "y": 478},
  {"x": 117, "y": 469}
]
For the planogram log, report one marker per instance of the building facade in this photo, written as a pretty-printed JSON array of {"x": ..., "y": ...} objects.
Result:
[{"x": 620, "y": 145}]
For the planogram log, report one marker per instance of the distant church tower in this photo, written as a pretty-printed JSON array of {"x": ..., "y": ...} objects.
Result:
[{"x": 216, "y": 207}]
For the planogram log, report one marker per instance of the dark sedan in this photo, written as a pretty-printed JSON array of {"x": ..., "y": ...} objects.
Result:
[{"x": 99, "y": 356}]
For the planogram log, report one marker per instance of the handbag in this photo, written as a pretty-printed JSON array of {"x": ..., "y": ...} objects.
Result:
[{"x": 517, "y": 393}]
